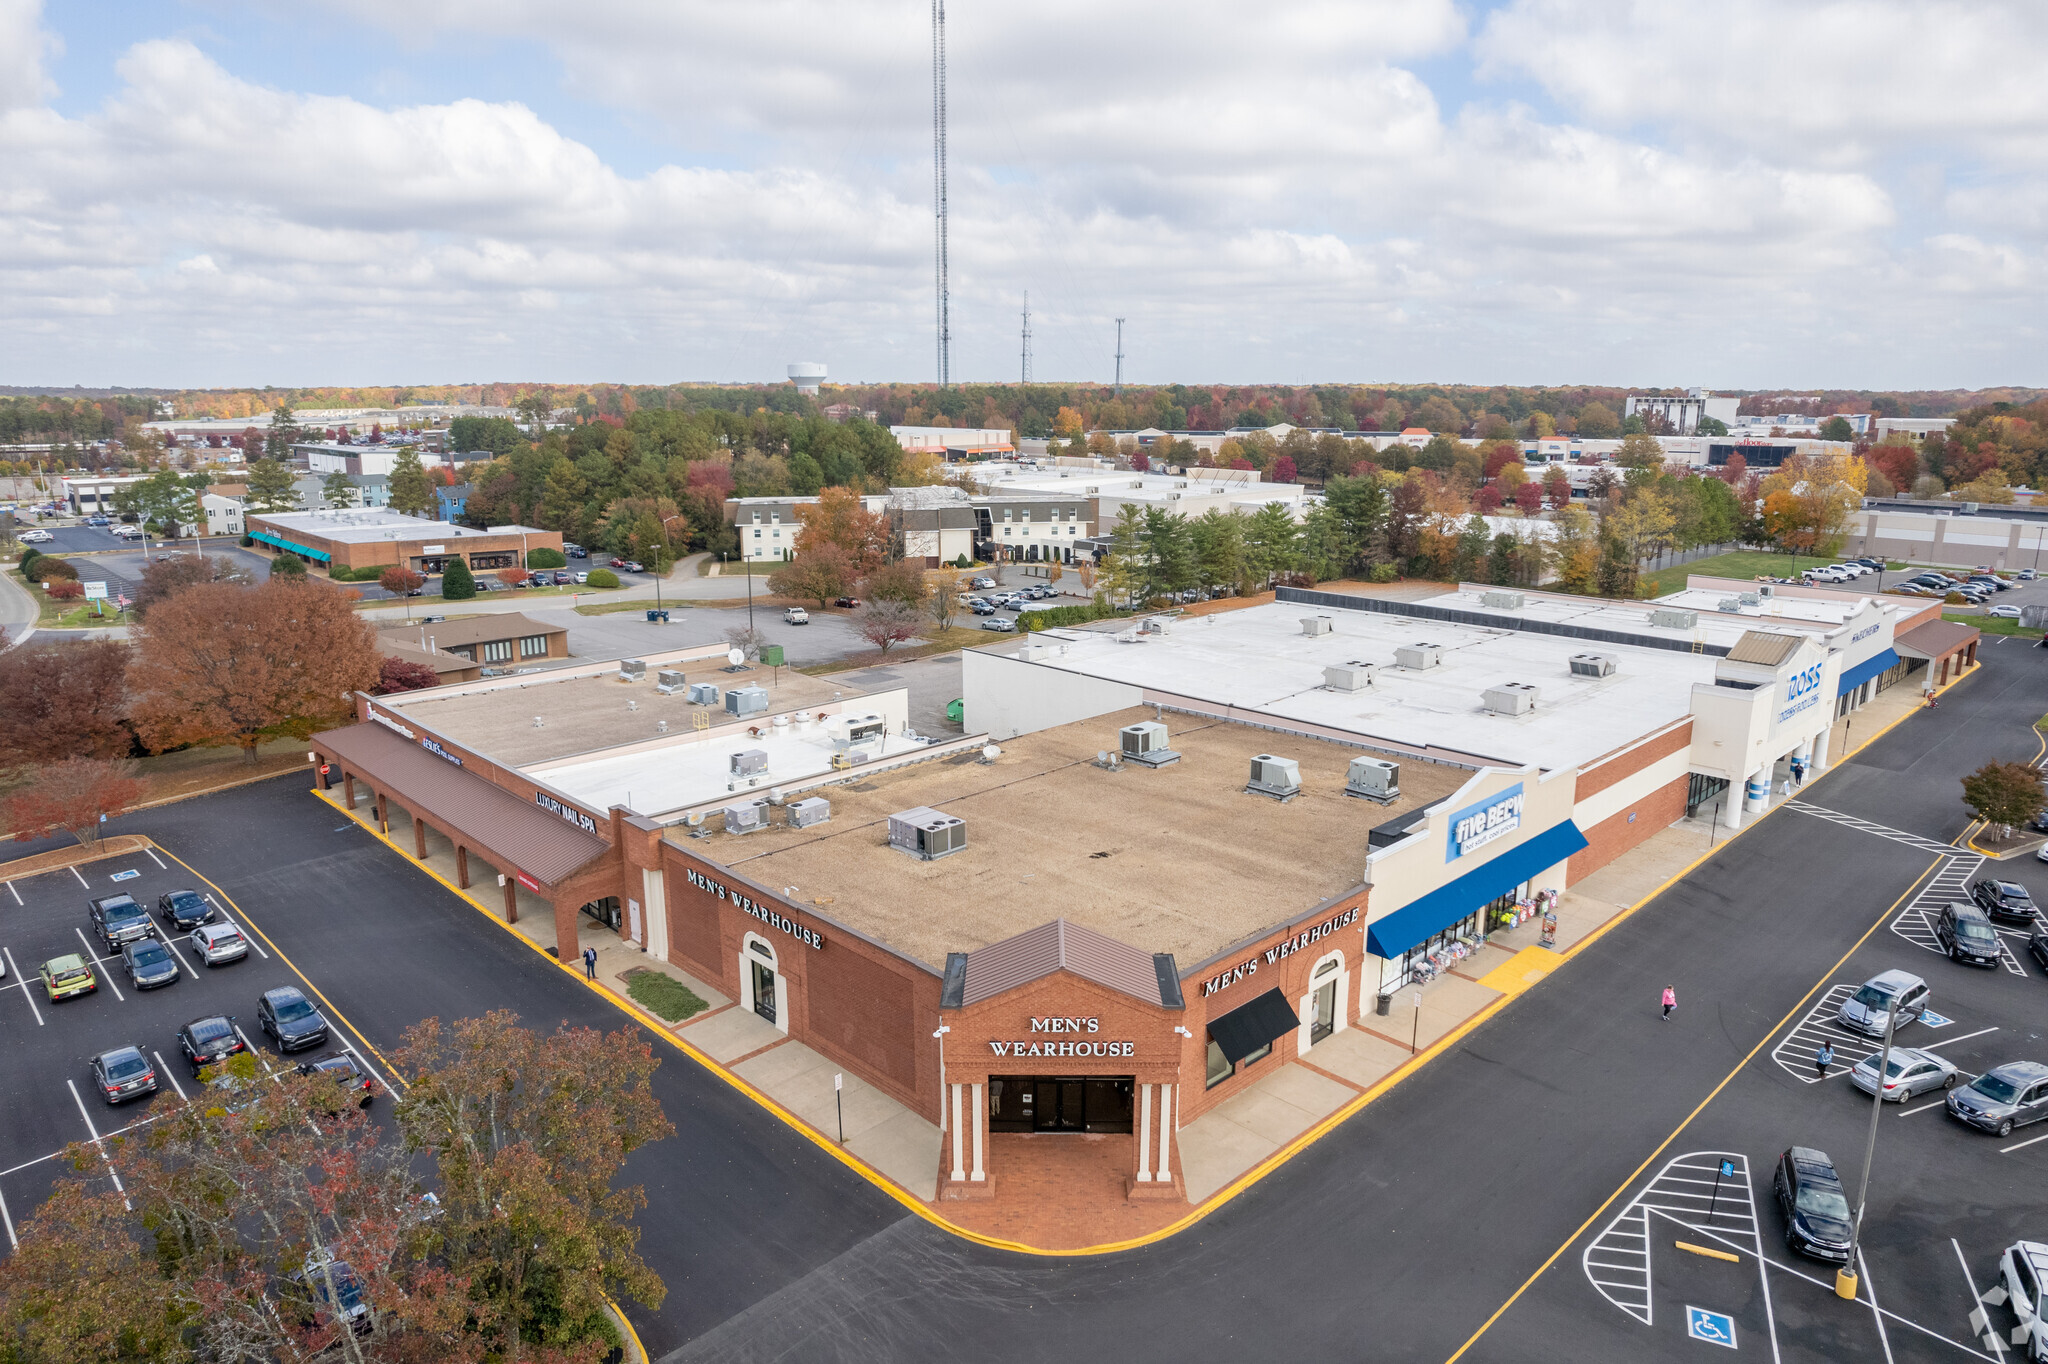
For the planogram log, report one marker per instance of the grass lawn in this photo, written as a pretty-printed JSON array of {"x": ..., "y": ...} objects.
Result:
[
  {"x": 610, "y": 606},
  {"x": 945, "y": 643},
  {"x": 65, "y": 615},
  {"x": 1746, "y": 564},
  {"x": 663, "y": 995},
  {"x": 1992, "y": 625}
]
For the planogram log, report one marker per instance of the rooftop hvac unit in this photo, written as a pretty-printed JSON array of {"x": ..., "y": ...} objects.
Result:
[
  {"x": 1749, "y": 598},
  {"x": 1511, "y": 698},
  {"x": 1316, "y": 626},
  {"x": 1152, "y": 625},
  {"x": 1731, "y": 604},
  {"x": 926, "y": 833},
  {"x": 669, "y": 681},
  {"x": 1502, "y": 601},
  {"x": 811, "y": 810},
  {"x": 852, "y": 730},
  {"x": 1352, "y": 676},
  {"x": 750, "y": 762},
  {"x": 703, "y": 693},
  {"x": 1146, "y": 743},
  {"x": 1419, "y": 656},
  {"x": 1373, "y": 779},
  {"x": 1668, "y": 619},
  {"x": 632, "y": 670},
  {"x": 1275, "y": 776},
  {"x": 747, "y": 817},
  {"x": 1592, "y": 665},
  {"x": 1765, "y": 590},
  {"x": 746, "y": 701},
  {"x": 847, "y": 757}
]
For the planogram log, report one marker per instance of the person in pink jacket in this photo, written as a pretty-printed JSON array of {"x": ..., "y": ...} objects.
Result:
[{"x": 1670, "y": 1000}]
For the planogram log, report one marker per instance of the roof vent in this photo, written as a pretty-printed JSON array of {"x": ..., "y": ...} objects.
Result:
[
  {"x": 747, "y": 817},
  {"x": 926, "y": 833},
  {"x": 1352, "y": 676},
  {"x": 1275, "y": 776},
  {"x": 1373, "y": 779},
  {"x": 1146, "y": 744},
  {"x": 632, "y": 670},
  {"x": 808, "y": 811},
  {"x": 1511, "y": 698},
  {"x": 1419, "y": 656},
  {"x": 668, "y": 681},
  {"x": 1668, "y": 619},
  {"x": 1592, "y": 665},
  {"x": 1502, "y": 601},
  {"x": 1317, "y": 626}
]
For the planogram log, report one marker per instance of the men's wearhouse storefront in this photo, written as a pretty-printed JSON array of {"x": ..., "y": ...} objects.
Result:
[{"x": 1441, "y": 876}]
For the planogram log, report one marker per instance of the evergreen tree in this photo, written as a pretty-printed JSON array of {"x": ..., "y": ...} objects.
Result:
[
  {"x": 1170, "y": 553},
  {"x": 1324, "y": 549},
  {"x": 410, "y": 491},
  {"x": 1272, "y": 541},
  {"x": 271, "y": 488},
  {"x": 284, "y": 431},
  {"x": 457, "y": 582},
  {"x": 1361, "y": 506},
  {"x": 1123, "y": 567},
  {"x": 337, "y": 491},
  {"x": 287, "y": 566},
  {"x": 1220, "y": 548}
]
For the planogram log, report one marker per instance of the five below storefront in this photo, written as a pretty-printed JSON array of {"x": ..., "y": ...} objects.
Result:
[{"x": 1441, "y": 877}]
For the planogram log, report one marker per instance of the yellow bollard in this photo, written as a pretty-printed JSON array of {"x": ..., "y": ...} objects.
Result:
[{"x": 1845, "y": 1284}]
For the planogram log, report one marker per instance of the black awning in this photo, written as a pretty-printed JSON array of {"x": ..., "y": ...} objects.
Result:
[{"x": 1248, "y": 1027}]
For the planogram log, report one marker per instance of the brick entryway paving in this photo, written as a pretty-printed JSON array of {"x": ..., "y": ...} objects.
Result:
[{"x": 1060, "y": 1192}]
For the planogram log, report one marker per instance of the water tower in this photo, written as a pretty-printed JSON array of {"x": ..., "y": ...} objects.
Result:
[{"x": 807, "y": 377}]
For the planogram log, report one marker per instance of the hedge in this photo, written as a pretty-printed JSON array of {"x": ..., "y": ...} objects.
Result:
[
  {"x": 48, "y": 566},
  {"x": 29, "y": 554},
  {"x": 287, "y": 566},
  {"x": 546, "y": 558},
  {"x": 1054, "y": 616},
  {"x": 602, "y": 577},
  {"x": 342, "y": 573}
]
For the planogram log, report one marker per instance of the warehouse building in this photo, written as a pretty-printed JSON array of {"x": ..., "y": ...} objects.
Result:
[{"x": 369, "y": 537}]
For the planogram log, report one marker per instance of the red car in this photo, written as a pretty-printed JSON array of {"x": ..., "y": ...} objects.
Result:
[
  {"x": 618, "y": 563},
  {"x": 848, "y": 602}
]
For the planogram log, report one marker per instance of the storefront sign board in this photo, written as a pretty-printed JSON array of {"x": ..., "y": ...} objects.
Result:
[
  {"x": 1484, "y": 821},
  {"x": 568, "y": 812},
  {"x": 746, "y": 904},
  {"x": 1286, "y": 947}
]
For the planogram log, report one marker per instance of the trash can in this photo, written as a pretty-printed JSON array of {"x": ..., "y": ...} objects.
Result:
[
  {"x": 956, "y": 710},
  {"x": 1384, "y": 1006},
  {"x": 661, "y": 616}
]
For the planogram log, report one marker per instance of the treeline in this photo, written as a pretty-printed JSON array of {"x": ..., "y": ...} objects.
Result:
[{"x": 54, "y": 420}]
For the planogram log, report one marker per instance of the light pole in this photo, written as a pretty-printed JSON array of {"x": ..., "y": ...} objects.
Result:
[
  {"x": 658, "y": 574},
  {"x": 1845, "y": 1277},
  {"x": 944, "y": 1107}
]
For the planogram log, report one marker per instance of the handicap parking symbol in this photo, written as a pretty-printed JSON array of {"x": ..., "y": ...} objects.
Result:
[
  {"x": 1717, "y": 1327},
  {"x": 1934, "y": 1020}
]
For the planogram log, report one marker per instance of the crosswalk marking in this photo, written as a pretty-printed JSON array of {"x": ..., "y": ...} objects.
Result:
[
  {"x": 1915, "y": 922},
  {"x": 1621, "y": 1253},
  {"x": 1878, "y": 830},
  {"x": 1794, "y": 1052}
]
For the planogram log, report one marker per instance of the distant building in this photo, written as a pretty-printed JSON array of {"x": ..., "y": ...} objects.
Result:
[
  {"x": 955, "y": 442},
  {"x": 222, "y": 515},
  {"x": 508, "y": 639},
  {"x": 93, "y": 495},
  {"x": 373, "y": 537},
  {"x": 1918, "y": 428},
  {"x": 453, "y": 502},
  {"x": 1683, "y": 414}
]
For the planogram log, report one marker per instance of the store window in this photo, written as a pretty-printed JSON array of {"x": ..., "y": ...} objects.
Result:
[
  {"x": 498, "y": 651},
  {"x": 533, "y": 646},
  {"x": 505, "y": 560},
  {"x": 1220, "y": 1068}
]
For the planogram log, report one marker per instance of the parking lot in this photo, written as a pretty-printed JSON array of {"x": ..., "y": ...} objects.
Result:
[{"x": 48, "y": 1098}]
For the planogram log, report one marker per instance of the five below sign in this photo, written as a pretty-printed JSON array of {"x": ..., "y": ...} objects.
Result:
[{"x": 1477, "y": 825}]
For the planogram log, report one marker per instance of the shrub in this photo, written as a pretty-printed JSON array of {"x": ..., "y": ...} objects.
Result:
[
  {"x": 1382, "y": 573},
  {"x": 513, "y": 577},
  {"x": 29, "y": 554},
  {"x": 546, "y": 558},
  {"x": 960, "y": 562},
  {"x": 396, "y": 674},
  {"x": 1053, "y": 617},
  {"x": 66, "y": 589},
  {"x": 603, "y": 577},
  {"x": 287, "y": 566},
  {"x": 49, "y": 566},
  {"x": 248, "y": 542},
  {"x": 1954, "y": 599},
  {"x": 457, "y": 582},
  {"x": 399, "y": 580}
]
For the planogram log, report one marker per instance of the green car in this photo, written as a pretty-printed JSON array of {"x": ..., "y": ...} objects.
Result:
[{"x": 66, "y": 976}]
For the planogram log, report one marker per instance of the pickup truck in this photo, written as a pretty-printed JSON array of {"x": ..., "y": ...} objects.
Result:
[
  {"x": 796, "y": 615},
  {"x": 120, "y": 920}
]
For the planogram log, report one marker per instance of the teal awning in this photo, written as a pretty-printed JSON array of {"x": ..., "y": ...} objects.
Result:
[
  {"x": 1882, "y": 661},
  {"x": 279, "y": 542},
  {"x": 1420, "y": 920}
]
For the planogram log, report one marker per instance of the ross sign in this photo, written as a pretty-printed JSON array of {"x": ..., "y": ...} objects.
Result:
[
  {"x": 1244, "y": 970},
  {"x": 809, "y": 937},
  {"x": 95, "y": 591},
  {"x": 1802, "y": 692},
  {"x": 1479, "y": 824},
  {"x": 438, "y": 751},
  {"x": 124, "y": 876},
  {"x": 527, "y": 881},
  {"x": 568, "y": 812},
  {"x": 1716, "y": 1327},
  {"x": 1063, "y": 1025}
]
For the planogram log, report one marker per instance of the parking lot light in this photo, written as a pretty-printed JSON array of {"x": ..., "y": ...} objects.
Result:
[{"x": 1845, "y": 1277}]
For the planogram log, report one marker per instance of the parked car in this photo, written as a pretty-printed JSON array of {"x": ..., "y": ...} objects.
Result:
[
  {"x": 582, "y": 577},
  {"x": 128, "y": 532},
  {"x": 982, "y": 583},
  {"x": 207, "y": 1040},
  {"x": 1994, "y": 583},
  {"x": 219, "y": 943},
  {"x": 2002, "y": 1098},
  {"x": 1875, "y": 565},
  {"x": 96, "y": 521},
  {"x": 2037, "y": 942},
  {"x": 796, "y": 615},
  {"x": 1909, "y": 1074},
  {"x": 633, "y": 566},
  {"x": 333, "y": 1291},
  {"x": 564, "y": 578},
  {"x": 2026, "y": 575},
  {"x": 150, "y": 964},
  {"x": 184, "y": 909},
  {"x": 617, "y": 562},
  {"x": 1816, "y": 1208},
  {"x": 36, "y": 537},
  {"x": 123, "y": 1074},
  {"x": 982, "y": 608},
  {"x": 120, "y": 920},
  {"x": 848, "y": 602},
  {"x": 2004, "y": 612},
  {"x": 290, "y": 1019},
  {"x": 2001, "y": 899},
  {"x": 344, "y": 1071},
  {"x": 575, "y": 552},
  {"x": 1870, "y": 1008},
  {"x": 1966, "y": 934},
  {"x": 2024, "y": 1269},
  {"x": 66, "y": 976},
  {"x": 1002, "y": 624}
]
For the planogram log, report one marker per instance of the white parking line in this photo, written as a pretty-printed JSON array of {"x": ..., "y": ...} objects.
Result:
[
  {"x": 97, "y": 959},
  {"x": 2007, "y": 1150},
  {"x": 81, "y": 880},
  {"x": 169, "y": 1074},
  {"x": 116, "y": 1174},
  {"x": 12, "y": 1239},
  {"x": 364, "y": 1062},
  {"x": 158, "y": 860},
  {"x": 172, "y": 943},
  {"x": 263, "y": 1060},
  {"x": 247, "y": 936},
  {"x": 1989, "y": 1334},
  {"x": 15, "y": 971},
  {"x": 1863, "y": 1267},
  {"x": 15, "y": 893},
  {"x": 1939, "y": 1043}
]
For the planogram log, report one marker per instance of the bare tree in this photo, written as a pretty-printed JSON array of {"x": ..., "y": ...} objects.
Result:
[{"x": 886, "y": 623}]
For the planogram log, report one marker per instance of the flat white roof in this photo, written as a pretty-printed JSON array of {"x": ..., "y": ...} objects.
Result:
[
  {"x": 359, "y": 525},
  {"x": 1713, "y": 626},
  {"x": 1790, "y": 610},
  {"x": 1258, "y": 658}
]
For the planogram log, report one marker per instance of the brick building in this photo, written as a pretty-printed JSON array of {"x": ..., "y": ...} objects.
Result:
[{"x": 368, "y": 537}]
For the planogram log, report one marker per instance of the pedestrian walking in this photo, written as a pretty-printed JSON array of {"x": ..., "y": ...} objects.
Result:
[
  {"x": 1670, "y": 1000},
  {"x": 1824, "y": 1058},
  {"x": 1799, "y": 772},
  {"x": 590, "y": 963}
]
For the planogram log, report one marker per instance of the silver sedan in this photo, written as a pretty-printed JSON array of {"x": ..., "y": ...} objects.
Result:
[{"x": 1911, "y": 1073}]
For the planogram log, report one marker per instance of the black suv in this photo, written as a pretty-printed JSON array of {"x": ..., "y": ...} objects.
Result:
[
  {"x": 120, "y": 920},
  {"x": 184, "y": 910},
  {"x": 207, "y": 1040},
  {"x": 2006, "y": 900},
  {"x": 290, "y": 1019},
  {"x": 1966, "y": 934},
  {"x": 1816, "y": 1208}
]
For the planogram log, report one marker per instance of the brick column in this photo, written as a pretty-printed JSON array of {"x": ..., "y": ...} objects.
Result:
[
  {"x": 959, "y": 1143},
  {"x": 419, "y": 837},
  {"x": 980, "y": 1125},
  {"x": 1144, "y": 1134},
  {"x": 461, "y": 866},
  {"x": 568, "y": 948},
  {"x": 511, "y": 900},
  {"x": 348, "y": 789},
  {"x": 383, "y": 816}
]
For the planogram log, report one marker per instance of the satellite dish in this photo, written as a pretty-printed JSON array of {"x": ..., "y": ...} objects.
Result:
[{"x": 736, "y": 655}]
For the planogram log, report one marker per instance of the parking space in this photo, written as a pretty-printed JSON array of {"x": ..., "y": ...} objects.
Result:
[{"x": 49, "y": 1097}]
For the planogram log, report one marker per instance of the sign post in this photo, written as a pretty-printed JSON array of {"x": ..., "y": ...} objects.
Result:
[
  {"x": 838, "y": 1082},
  {"x": 1415, "y": 1036},
  {"x": 1726, "y": 1171}
]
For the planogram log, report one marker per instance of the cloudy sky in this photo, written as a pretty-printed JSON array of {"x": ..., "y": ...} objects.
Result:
[{"x": 1756, "y": 193}]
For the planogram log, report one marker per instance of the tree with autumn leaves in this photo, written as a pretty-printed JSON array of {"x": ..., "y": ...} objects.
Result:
[{"x": 250, "y": 1208}]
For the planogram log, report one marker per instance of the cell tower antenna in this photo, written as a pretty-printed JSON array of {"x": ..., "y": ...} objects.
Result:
[
  {"x": 1119, "y": 356},
  {"x": 1027, "y": 337},
  {"x": 939, "y": 187}
]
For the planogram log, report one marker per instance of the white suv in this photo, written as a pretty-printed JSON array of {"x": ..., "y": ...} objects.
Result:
[{"x": 2023, "y": 1267}]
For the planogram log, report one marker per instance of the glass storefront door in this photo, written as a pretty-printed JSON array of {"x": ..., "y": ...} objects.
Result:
[
  {"x": 1059, "y": 1103},
  {"x": 764, "y": 990},
  {"x": 1325, "y": 1020}
]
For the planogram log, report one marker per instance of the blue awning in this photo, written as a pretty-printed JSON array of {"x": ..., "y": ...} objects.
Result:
[
  {"x": 1882, "y": 661},
  {"x": 1423, "y": 919},
  {"x": 279, "y": 542}
]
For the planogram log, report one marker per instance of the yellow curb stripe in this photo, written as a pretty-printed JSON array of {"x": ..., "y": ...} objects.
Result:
[
  {"x": 1698, "y": 1109},
  {"x": 1706, "y": 1250}
]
